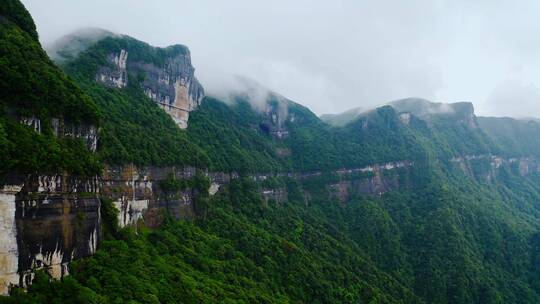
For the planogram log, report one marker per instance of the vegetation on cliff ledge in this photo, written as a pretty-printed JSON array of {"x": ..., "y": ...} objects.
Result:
[{"x": 31, "y": 86}]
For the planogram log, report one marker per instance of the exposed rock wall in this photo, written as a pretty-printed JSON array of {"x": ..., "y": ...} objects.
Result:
[
  {"x": 172, "y": 85},
  {"x": 278, "y": 195},
  {"x": 115, "y": 74},
  {"x": 487, "y": 166},
  {"x": 377, "y": 184},
  {"x": 137, "y": 194},
  {"x": 88, "y": 133},
  {"x": 9, "y": 254},
  {"x": 46, "y": 222},
  {"x": 277, "y": 116}
]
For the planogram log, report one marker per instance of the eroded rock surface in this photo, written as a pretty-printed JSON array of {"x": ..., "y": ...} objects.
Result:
[
  {"x": 171, "y": 84},
  {"x": 487, "y": 166},
  {"x": 46, "y": 222},
  {"x": 115, "y": 74}
]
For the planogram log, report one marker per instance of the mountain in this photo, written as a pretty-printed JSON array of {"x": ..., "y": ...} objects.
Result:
[
  {"x": 128, "y": 181},
  {"x": 37, "y": 93},
  {"x": 48, "y": 169},
  {"x": 419, "y": 107},
  {"x": 423, "y": 108},
  {"x": 339, "y": 120},
  {"x": 515, "y": 136}
]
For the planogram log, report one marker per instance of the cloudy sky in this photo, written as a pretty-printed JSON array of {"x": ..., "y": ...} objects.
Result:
[{"x": 335, "y": 55}]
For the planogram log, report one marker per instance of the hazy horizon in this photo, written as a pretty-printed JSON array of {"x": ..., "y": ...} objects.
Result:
[{"x": 332, "y": 57}]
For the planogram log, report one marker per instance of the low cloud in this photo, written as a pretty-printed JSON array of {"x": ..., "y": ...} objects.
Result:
[
  {"x": 228, "y": 87},
  {"x": 72, "y": 44},
  {"x": 334, "y": 56},
  {"x": 514, "y": 98}
]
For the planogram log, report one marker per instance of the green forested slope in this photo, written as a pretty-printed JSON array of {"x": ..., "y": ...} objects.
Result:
[
  {"x": 515, "y": 137},
  {"x": 31, "y": 85},
  {"x": 449, "y": 239},
  {"x": 444, "y": 236},
  {"x": 230, "y": 135},
  {"x": 242, "y": 251},
  {"x": 134, "y": 129}
]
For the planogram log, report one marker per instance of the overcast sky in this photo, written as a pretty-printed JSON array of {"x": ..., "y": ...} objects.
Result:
[{"x": 335, "y": 55}]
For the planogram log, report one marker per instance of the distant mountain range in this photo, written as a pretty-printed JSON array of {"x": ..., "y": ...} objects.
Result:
[{"x": 121, "y": 175}]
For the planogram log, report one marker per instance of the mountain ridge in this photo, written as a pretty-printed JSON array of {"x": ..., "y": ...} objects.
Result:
[{"x": 260, "y": 201}]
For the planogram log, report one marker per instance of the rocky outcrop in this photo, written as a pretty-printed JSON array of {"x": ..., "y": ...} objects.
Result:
[
  {"x": 45, "y": 222},
  {"x": 375, "y": 185},
  {"x": 115, "y": 74},
  {"x": 278, "y": 195},
  {"x": 86, "y": 132},
  {"x": 139, "y": 193},
  {"x": 171, "y": 84},
  {"x": 9, "y": 253},
  {"x": 374, "y": 180},
  {"x": 405, "y": 118},
  {"x": 32, "y": 121},
  {"x": 462, "y": 112},
  {"x": 371, "y": 180},
  {"x": 487, "y": 166},
  {"x": 48, "y": 221},
  {"x": 277, "y": 115}
]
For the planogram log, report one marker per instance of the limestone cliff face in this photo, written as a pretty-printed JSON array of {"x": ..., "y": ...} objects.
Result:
[
  {"x": 171, "y": 84},
  {"x": 114, "y": 75},
  {"x": 486, "y": 167},
  {"x": 378, "y": 179},
  {"x": 86, "y": 132},
  {"x": 277, "y": 115},
  {"x": 46, "y": 221},
  {"x": 462, "y": 112},
  {"x": 139, "y": 196},
  {"x": 135, "y": 193},
  {"x": 138, "y": 193}
]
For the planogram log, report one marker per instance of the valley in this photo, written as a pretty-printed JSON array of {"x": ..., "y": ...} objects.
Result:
[{"x": 122, "y": 180}]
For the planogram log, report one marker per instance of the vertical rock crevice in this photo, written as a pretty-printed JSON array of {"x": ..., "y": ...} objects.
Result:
[{"x": 172, "y": 84}]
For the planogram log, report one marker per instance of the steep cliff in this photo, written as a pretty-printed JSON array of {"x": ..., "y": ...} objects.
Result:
[
  {"x": 49, "y": 206},
  {"x": 118, "y": 72},
  {"x": 407, "y": 203},
  {"x": 48, "y": 221},
  {"x": 147, "y": 193},
  {"x": 171, "y": 84},
  {"x": 165, "y": 75},
  {"x": 462, "y": 112}
]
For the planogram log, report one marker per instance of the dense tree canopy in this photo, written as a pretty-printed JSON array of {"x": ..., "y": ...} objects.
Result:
[{"x": 451, "y": 232}]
